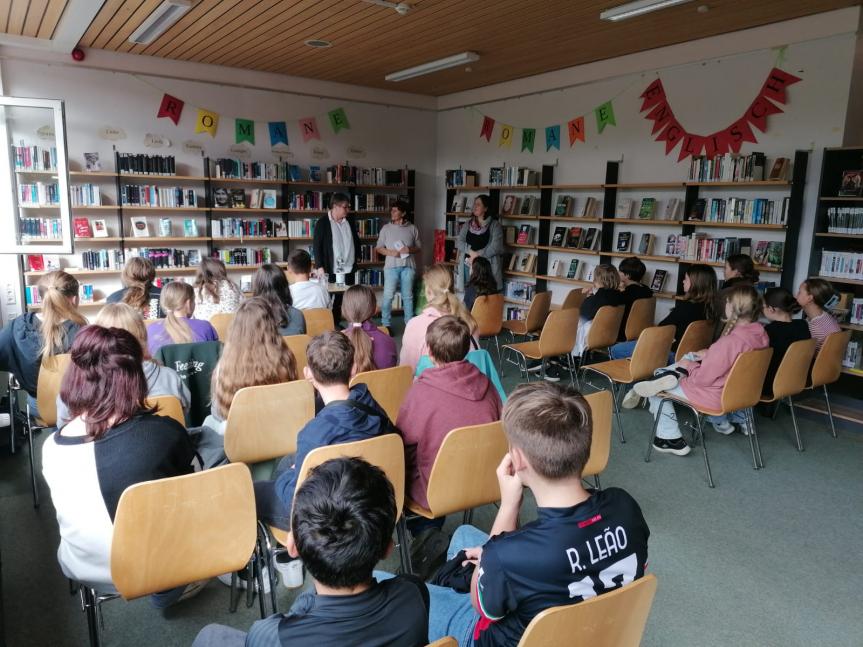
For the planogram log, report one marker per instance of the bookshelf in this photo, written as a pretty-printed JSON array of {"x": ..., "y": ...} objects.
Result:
[{"x": 284, "y": 181}]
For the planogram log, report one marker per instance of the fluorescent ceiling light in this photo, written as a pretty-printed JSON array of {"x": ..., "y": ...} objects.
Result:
[
  {"x": 158, "y": 22},
  {"x": 632, "y": 9},
  {"x": 433, "y": 66}
]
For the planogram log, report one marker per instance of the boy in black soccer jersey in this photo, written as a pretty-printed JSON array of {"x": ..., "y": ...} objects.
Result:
[{"x": 583, "y": 543}]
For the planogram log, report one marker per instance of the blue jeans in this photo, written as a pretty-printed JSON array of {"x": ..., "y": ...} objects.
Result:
[
  {"x": 393, "y": 277},
  {"x": 622, "y": 349},
  {"x": 450, "y": 612}
]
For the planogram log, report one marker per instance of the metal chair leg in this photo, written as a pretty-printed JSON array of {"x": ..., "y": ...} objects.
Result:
[
  {"x": 250, "y": 582},
  {"x": 258, "y": 569},
  {"x": 749, "y": 424},
  {"x": 616, "y": 390},
  {"x": 235, "y": 594},
  {"x": 753, "y": 438},
  {"x": 596, "y": 481},
  {"x": 404, "y": 548},
  {"x": 33, "y": 482},
  {"x": 13, "y": 400},
  {"x": 467, "y": 517},
  {"x": 704, "y": 449},
  {"x": 829, "y": 412},
  {"x": 796, "y": 427},
  {"x": 90, "y": 606},
  {"x": 653, "y": 430},
  {"x": 497, "y": 346},
  {"x": 268, "y": 552}
]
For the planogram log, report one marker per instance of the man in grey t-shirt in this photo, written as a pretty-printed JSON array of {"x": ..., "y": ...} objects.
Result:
[{"x": 398, "y": 241}]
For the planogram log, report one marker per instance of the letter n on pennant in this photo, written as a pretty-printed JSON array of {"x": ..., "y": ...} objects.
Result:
[
  {"x": 576, "y": 130},
  {"x": 309, "y": 129}
]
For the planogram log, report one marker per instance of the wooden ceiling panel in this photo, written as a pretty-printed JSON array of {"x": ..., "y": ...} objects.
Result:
[
  {"x": 17, "y": 17},
  {"x": 514, "y": 38},
  {"x": 34, "y": 17},
  {"x": 51, "y": 18}
]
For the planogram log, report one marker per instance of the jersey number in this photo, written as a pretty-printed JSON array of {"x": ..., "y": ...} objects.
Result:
[{"x": 618, "y": 574}]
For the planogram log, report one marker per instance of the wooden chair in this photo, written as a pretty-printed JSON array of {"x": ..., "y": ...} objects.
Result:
[
  {"x": 384, "y": 330},
  {"x": 318, "y": 320},
  {"x": 446, "y": 641},
  {"x": 222, "y": 323},
  {"x": 556, "y": 340},
  {"x": 168, "y": 406},
  {"x": 388, "y": 387},
  {"x": 463, "y": 475},
  {"x": 488, "y": 312},
  {"x": 574, "y": 298},
  {"x": 603, "y": 331},
  {"x": 827, "y": 367},
  {"x": 532, "y": 323},
  {"x": 742, "y": 391},
  {"x": 697, "y": 336},
  {"x": 600, "y": 442},
  {"x": 790, "y": 378},
  {"x": 613, "y": 619},
  {"x": 641, "y": 316},
  {"x": 298, "y": 345},
  {"x": 651, "y": 352}
]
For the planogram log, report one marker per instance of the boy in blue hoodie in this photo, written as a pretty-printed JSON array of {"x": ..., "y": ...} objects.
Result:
[{"x": 349, "y": 414}]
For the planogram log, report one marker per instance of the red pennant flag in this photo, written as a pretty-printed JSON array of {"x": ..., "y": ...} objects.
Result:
[
  {"x": 671, "y": 135},
  {"x": 171, "y": 108},
  {"x": 660, "y": 115},
  {"x": 487, "y": 128},
  {"x": 777, "y": 81},
  {"x": 576, "y": 130},
  {"x": 715, "y": 144},
  {"x": 739, "y": 132},
  {"x": 692, "y": 145},
  {"x": 652, "y": 95},
  {"x": 758, "y": 112}
]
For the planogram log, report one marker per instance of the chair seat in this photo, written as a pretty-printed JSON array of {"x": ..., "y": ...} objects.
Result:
[
  {"x": 529, "y": 349},
  {"x": 416, "y": 508},
  {"x": 703, "y": 411},
  {"x": 279, "y": 535},
  {"x": 616, "y": 369},
  {"x": 517, "y": 326}
]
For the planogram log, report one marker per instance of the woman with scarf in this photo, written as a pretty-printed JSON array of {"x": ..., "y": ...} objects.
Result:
[{"x": 481, "y": 236}]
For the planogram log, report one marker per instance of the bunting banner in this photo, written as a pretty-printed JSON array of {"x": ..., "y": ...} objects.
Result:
[
  {"x": 576, "y": 130},
  {"x": 528, "y": 137},
  {"x": 666, "y": 127},
  {"x": 207, "y": 122},
  {"x": 278, "y": 133},
  {"x": 309, "y": 129},
  {"x": 604, "y": 116},
  {"x": 505, "y": 136},
  {"x": 244, "y": 131},
  {"x": 552, "y": 138},
  {"x": 338, "y": 120},
  {"x": 172, "y": 108},
  {"x": 487, "y": 128}
]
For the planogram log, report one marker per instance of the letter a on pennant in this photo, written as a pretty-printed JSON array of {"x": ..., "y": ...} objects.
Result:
[
  {"x": 171, "y": 108},
  {"x": 552, "y": 137},
  {"x": 576, "y": 130},
  {"x": 207, "y": 122},
  {"x": 487, "y": 128},
  {"x": 505, "y": 136},
  {"x": 309, "y": 128}
]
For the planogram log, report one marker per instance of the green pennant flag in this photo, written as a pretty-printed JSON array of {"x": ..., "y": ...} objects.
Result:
[
  {"x": 604, "y": 116},
  {"x": 528, "y": 136},
  {"x": 338, "y": 120},
  {"x": 244, "y": 131}
]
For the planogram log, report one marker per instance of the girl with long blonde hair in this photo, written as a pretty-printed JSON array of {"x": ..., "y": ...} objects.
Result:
[
  {"x": 373, "y": 349},
  {"x": 440, "y": 300},
  {"x": 138, "y": 289},
  {"x": 214, "y": 291},
  {"x": 178, "y": 303}
]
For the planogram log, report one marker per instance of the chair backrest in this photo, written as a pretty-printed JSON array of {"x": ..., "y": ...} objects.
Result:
[
  {"x": 222, "y": 322},
  {"x": 613, "y": 619},
  {"x": 793, "y": 371},
  {"x": 558, "y": 333},
  {"x": 641, "y": 316},
  {"x": 697, "y": 336},
  {"x": 538, "y": 311},
  {"x": 651, "y": 351},
  {"x": 384, "y": 330},
  {"x": 318, "y": 320},
  {"x": 574, "y": 298},
  {"x": 51, "y": 374},
  {"x": 745, "y": 382},
  {"x": 388, "y": 387},
  {"x": 387, "y": 452},
  {"x": 601, "y": 404},
  {"x": 488, "y": 312},
  {"x": 168, "y": 406},
  {"x": 606, "y": 324},
  {"x": 446, "y": 641},
  {"x": 264, "y": 421},
  {"x": 179, "y": 530},
  {"x": 298, "y": 345},
  {"x": 463, "y": 475},
  {"x": 828, "y": 362}
]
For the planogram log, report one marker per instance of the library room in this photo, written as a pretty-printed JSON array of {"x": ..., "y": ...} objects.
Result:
[{"x": 329, "y": 322}]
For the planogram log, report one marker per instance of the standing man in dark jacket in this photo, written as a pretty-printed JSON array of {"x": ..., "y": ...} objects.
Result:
[{"x": 336, "y": 245}]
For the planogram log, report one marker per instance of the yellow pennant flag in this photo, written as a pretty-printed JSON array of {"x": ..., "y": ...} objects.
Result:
[
  {"x": 505, "y": 136},
  {"x": 207, "y": 122}
]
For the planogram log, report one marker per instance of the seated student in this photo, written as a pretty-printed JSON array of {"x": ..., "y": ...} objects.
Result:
[
  {"x": 27, "y": 340},
  {"x": 342, "y": 524},
  {"x": 161, "y": 380},
  {"x": 270, "y": 282},
  {"x": 480, "y": 283},
  {"x": 215, "y": 293},
  {"x": 441, "y": 300},
  {"x": 780, "y": 306},
  {"x": 139, "y": 291},
  {"x": 739, "y": 269},
  {"x": 306, "y": 294},
  {"x": 348, "y": 414},
  {"x": 113, "y": 441},
  {"x": 373, "y": 349},
  {"x": 563, "y": 557},
  {"x": 631, "y": 271},
  {"x": 178, "y": 303},
  {"x": 697, "y": 303},
  {"x": 451, "y": 394},
  {"x": 813, "y": 296},
  {"x": 701, "y": 380}
]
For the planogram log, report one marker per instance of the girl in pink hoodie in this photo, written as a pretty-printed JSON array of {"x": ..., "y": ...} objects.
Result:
[{"x": 708, "y": 370}]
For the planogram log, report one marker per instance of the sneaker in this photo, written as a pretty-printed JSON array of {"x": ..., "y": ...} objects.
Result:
[
  {"x": 290, "y": 569},
  {"x": 4, "y": 420},
  {"x": 726, "y": 428},
  {"x": 552, "y": 374},
  {"x": 242, "y": 583},
  {"x": 677, "y": 446},
  {"x": 652, "y": 387},
  {"x": 194, "y": 588},
  {"x": 534, "y": 366},
  {"x": 631, "y": 400}
]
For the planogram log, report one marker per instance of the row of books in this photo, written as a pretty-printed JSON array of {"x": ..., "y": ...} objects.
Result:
[
  {"x": 228, "y": 168},
  {"x": 41, "y": 227},
  {"x": 141, "y": 227},
  {"x": 244, "y": 255},
  {"x": 853, "y": 355},
  {"x": 855, "y": 314},
  {"x": 102, "y": 259},
  {"x": 648, "y": 209},
  {"x": 85, "y": 195},
  {"x": 240, "y": 227},
  {"x": 728, "y": 167},
  {"x": 39, "y": 194},
  {"x": 699, "y": 247},
  {"x": 519, "y": 290},
  {"x": 312, "y": 200},
  {"x": 151, "y": 195},
  {"x": 162, "y": 257},
  {"x": 842, "y": 265},
  {"x": 514, "y": 205},
  {"x": 758, "y": 211},
  {"x": 348, "y": 174},
  {"x": 238, "y": 199},
  {"x": 32, "y": 296},
  {"x": 34, "y": 158},
  {"x": 84, "y": 228},
  {"x": 461, "y": 178},
  {"x": 522, "y": 261},
  {"x": 565, "y": 206},
  {"x": 512, "y": 176},
  {"x": 368, "y": 226},
  {"x": 845, "y": 220},
  {"x": 373, "y": 201},
  {"x": 576, "y": 238},
  {"x": 140, "y": 164},
  {"x": 302, "y": 228},
  {"x": 366, "y": 254},
  {"x": 369, "y": 277},
  {"x": 569, "y": 269}
]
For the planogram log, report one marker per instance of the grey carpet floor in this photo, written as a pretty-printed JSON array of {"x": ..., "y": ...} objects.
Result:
[{"x": 767, "y": 558}]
